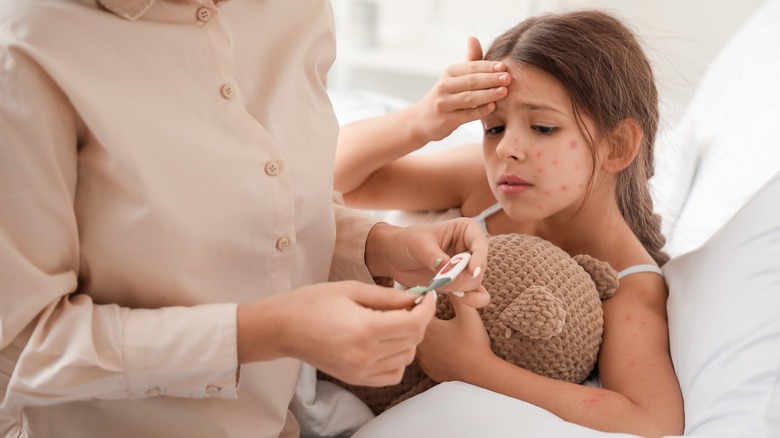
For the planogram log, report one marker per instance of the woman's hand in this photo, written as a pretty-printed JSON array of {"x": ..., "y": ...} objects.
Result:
[
  {"x": 464, "y": 92},
  {"x": 359, "y": 333},
  {"x": 412, "y": 255},
  {"x": 452, "y": 349}
]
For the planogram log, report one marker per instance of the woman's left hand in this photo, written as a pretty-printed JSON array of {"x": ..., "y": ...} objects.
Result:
[{"x": 412, "y": 255}]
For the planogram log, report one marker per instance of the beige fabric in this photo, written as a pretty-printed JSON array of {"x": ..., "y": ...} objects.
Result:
[{"x": 153, "y": 173}]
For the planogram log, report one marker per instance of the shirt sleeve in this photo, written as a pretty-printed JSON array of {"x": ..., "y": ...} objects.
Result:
[
  {"x": 352, "y": 228},
  {"x": 57, "y": 345}
]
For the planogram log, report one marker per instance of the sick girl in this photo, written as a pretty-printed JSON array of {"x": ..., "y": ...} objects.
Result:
[{"x": 569, "y": 107}]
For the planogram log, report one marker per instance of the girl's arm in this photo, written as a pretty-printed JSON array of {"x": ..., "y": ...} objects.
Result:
[
  {"x": 464, "y": 92},
  {"x": 428, "y": 182},
  {"x": 640, "y": 395}
]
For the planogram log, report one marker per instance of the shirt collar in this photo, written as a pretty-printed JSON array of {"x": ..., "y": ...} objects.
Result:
[{"x": 128, "y": 9}]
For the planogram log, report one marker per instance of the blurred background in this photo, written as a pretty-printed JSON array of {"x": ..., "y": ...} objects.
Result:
[{"x": 398, "y": 48}]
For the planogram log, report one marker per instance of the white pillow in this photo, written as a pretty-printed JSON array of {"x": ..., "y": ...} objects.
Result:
[
  {"x": 726, "y": 146},
  {"x": 724, "y": 323},
  {"x": 460, "y": 410}
]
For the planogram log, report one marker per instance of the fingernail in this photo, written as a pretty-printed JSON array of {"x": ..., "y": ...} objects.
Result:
[
  {"x": 435, "y": 296},
  {"x": 459, "y": 294},
  {"x": 416, "y": 290},
  {"x": 437, "y": 263},
  {"x": 477, "y": 271},
  {"x": 419, "y": 299},
  {"x": 502, "y": 77},
  {"x": 498, "y": 66}
]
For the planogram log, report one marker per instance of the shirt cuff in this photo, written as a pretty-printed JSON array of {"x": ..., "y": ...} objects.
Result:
[
  {"x": 181, "y": 352},
  {"x": 352, "y": 228}
]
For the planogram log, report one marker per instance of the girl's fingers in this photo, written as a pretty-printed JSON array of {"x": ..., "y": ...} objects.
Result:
[
  {"x": 475, "y": 67},
  {"x": 473, "y": 49}
]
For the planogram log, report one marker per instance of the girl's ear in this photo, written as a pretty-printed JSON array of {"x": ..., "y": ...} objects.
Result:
[{"x": 623, "y": 143}]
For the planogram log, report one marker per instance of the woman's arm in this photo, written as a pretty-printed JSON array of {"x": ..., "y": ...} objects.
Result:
[
  {"x": 464, "y": 92},
  {"x": 640, "y": 395}
]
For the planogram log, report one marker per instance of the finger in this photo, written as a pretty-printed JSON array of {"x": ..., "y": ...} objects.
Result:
[
  {"x": 466, "y": 315},
  {"x": 475, "y": 298},
  {"x": 475, "y": 80},
  {"x": 473, "y": 49},
  {"x": 390, "y": 376},
  {"x": 400, "y": 322},
  {"x": 475, "y": 67},
  {"x": 382, "y": 298},
  {"x": 474, "y": 241},
  {"x": 472, "y": 104}
]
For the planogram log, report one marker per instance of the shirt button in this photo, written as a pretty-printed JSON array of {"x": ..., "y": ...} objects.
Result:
[
  {"x": 282, "y": 243},
  {"x": 151, "y": 392},
  {"x": 212, "y": 390},
  {"x": 272, "y": 168},
  {"x": 204, "y": 14},
  {"x": 227, "y": 91}
]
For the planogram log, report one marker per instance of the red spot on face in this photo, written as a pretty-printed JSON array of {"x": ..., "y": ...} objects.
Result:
[
  {"x": 555, "y": 162},
  {"x": 540, "y": 170},
  {"x": 573, "y": 144},
  {"x": 547, "y": 193},
  {"x": 581, "y": 185},
  {"x": 628, "y": 318},
  {"x": 539, "y": 154},
  {"x": 564, "y": 188}
]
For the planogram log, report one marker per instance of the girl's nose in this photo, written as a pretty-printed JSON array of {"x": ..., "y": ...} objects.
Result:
[{"x": 510, "y": 149}]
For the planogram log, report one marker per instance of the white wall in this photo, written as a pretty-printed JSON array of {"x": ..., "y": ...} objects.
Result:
[{"x": 412, "y": 41}]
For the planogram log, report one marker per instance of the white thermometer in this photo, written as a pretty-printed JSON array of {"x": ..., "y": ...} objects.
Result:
[{"x": 446, "y": 274}]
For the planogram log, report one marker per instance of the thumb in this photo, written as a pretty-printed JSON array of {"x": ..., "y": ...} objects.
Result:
[
  {"x": 473, "y": 49},
  {"x": 466, "y": 315}
]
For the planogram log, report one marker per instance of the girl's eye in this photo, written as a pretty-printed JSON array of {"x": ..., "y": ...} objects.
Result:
[
  {"x": 496, "y": 130},
  {"x": 544, "y": 130}
]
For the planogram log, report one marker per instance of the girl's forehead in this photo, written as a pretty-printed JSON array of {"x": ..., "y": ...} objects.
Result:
[
  {"x": 532, "y": 86},
  {"x": 534, "y": 80}
]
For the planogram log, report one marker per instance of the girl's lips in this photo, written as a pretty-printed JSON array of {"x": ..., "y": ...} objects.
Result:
[{"x": 511, "y": 185}]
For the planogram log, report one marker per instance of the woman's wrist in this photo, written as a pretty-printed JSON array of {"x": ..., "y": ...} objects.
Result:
[
  {"x": 376, "y": 242},
  {"x": 258, "y": 327}
]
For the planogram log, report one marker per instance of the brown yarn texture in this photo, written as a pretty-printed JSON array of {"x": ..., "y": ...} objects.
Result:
[{"x": 544, "y": 315}]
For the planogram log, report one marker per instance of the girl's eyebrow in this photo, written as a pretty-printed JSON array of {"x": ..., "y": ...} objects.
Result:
[{"x": 540, "y": 107}]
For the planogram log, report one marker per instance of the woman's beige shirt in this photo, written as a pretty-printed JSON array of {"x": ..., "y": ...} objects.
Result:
[{"x": 160, "y": 161}]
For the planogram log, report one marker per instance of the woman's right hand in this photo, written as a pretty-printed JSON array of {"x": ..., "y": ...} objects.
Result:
[{"x": 359, "y": 333}]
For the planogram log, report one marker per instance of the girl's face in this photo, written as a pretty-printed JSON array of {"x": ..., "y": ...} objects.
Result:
[{"x": 538, "y": 162}]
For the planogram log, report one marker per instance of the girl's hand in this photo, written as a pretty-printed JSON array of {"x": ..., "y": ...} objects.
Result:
[
  {"x": 455, "y": 348},
  {"x": 359, "y": 333},
  {"x": 412, "y": 255},
  {"x": 464, "y": 93}
]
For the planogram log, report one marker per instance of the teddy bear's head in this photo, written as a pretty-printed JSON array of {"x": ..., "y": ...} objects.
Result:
[{"x": 544, "y": 314}]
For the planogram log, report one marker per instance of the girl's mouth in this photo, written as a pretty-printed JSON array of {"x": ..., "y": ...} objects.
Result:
[{"x": 511, "y": 185}]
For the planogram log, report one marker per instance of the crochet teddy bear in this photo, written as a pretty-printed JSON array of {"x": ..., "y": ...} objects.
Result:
[{"x": 544, "y": 315}]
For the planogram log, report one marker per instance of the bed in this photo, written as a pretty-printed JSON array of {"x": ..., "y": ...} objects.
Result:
[{"x": 718, "y": 189}]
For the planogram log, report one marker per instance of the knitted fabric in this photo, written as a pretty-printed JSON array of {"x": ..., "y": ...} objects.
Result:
[{"x": 544, "y": 315}]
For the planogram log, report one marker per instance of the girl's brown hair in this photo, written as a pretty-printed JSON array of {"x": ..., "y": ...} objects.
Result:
[{"x": 608, "y": 77}]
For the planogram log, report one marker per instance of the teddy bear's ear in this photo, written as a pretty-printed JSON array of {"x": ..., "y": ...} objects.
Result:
[
  {"x": 536, "y": 314},
  {"x": 603, "y": 275}
]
